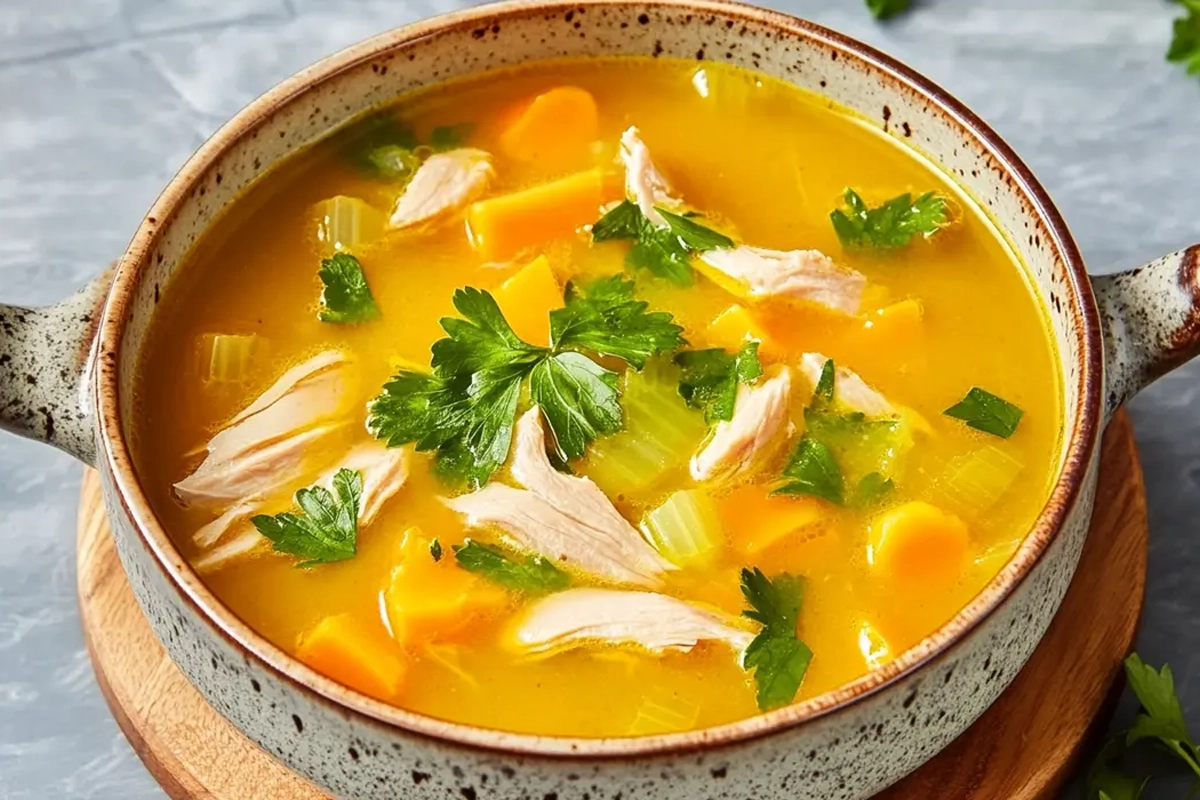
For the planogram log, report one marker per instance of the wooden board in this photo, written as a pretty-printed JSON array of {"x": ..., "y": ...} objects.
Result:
[{"x": 1023, "y": 748}]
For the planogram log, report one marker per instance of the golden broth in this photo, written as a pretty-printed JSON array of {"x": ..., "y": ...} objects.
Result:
[{"x": 767, "y": 159}]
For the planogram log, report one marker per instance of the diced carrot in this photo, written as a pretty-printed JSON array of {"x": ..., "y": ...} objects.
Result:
[
  {"x": 919, "y": 543},
  {"x": 503, "y": 226},
  {"x": 430, "y": 601},
  {"x": 735, "y": 325},
  {"x": 554, "y": 124},
  {"x": 895, "y": 324},
  {"x": 528, "y": 297},
  {"x": 351, "y": 652},
  {"x": 757, "y": 520}
]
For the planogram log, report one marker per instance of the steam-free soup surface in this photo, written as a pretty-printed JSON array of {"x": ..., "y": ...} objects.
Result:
[{"x": 757, "y": 161}]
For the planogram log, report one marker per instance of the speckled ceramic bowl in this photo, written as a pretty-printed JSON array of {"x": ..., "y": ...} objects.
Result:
[{"x": 66, "y": 376}]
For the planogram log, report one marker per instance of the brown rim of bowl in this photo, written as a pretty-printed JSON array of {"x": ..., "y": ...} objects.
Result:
[{"x": 1079, "y": 445}]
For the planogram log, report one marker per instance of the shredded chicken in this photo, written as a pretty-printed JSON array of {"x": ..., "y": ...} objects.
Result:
[
  {"x": 444, "y": 182},
  {"x": 647, "y": 620},
  {"x": 795, "y": 274},
  {"x": 247, "y": 541},
  {"x": 849, "y": 389},
  {"x": 560, "y": 517},
  {"x": 753, "y": 433},
  {"x": 268, "y": 441},
  {"x": 644, "y": 184}
]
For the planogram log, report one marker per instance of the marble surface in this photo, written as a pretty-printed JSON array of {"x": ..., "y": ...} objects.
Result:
[{"x": 102, "y": 100}]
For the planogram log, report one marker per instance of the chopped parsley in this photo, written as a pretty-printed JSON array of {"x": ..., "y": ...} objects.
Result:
[
  {"x": 346, "y": 297},
  {"x": 387, "y": 148},
  {"x": 661, "y": 251},
  {"x": 450, "y": 137},
  {"x": 532, "y": 575},
  {"x": 1159, "y": 721},
  {"x": 325, "y": 530},
  {"x": 883, "y": 9},
  {"x": 891, "y": 225},
  {"x": 435, "y": 550},
  {"x": 986, "y": 412},
  {"x": 710, "y": 378},
  {"x": 465, "y": 409},
  {"x": 1185, "y": 43},
  {"x": 812, "y": 470},
  {"x": 777, "y": 656}
]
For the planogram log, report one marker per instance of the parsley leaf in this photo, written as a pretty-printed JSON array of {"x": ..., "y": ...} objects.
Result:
[
  {"x": 346, "y": 297},
  {"x": 1106, "y": 781},
  {"x": 1161, "y": 718},
  {"x": 814, "y": 471},
  {"x": 387, "y": 148},
  {"x": 710, "y": 378},
  {"x": 891, "y": 225},
  {"x": 777, "y": 656},
  {"x": 435, "y": 550},
  {"x": 606, "y": 319},
  {"x": 533, "y": 575},
  {"x": 579, "y": 399},
  {"x": 449, "y": 137},
  {"x": 325, "y": 530},
  {"x": 661, "y": 251},
  {"x": 1185, "y": 44},
  {"x": 872, "y": 488},
  {"x": 883, "y": 9},
  {"x": 986, "y": 412}
]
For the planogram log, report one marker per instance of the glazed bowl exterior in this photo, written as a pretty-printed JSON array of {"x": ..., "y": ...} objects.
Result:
[{"x": 67, "y": 375}]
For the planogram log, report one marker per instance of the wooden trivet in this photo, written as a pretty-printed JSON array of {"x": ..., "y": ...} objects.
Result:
[{"x": 1024, "y": 748}]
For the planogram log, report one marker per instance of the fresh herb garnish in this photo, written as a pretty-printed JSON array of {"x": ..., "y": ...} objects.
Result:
[
  {"x": 435, "y": 550},
  {"x": 882, "y": 9},
  {"x": 710, "y": 378},
  {"x": 1159, "y": 721},
  {"x": 325, "y": 530},
  {"x": 449, "y": 137},
  {"x": 532, "y": 575},
  {"x": 1185, "y": 43},
  {"x": 465, "y": 409},
  {"x": 891, "y": 225},
  {"x": 812, "y": 470},
  {"x": 346, "y": 297},
  {"x": 777, "y": 656},
  {"x": 872, "y": 488},
  {"x": 986, "y": 412},
  {"x": 388, "y": 148},
  {"x": 661, "y": 251}
]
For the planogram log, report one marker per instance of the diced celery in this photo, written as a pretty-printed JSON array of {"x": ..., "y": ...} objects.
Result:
[
  {"x": 230, "y": 357},
  {"x": 347, "y": 224},
  {"x": 863, "y": 445},
  {"x": 659, "y": 436},
  {"x": 685, "y": 529},
  {"x": 973, "y": 483},
  {"x": 664, "y": 712}
]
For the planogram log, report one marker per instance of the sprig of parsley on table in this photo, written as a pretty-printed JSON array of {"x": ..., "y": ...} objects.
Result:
[
  {"x": 346, "y": 297},
  {"x": 1159, "y": 721},
  {"x": 465, "y": 409},
  {"x": 325, "y": 530},
  {"x": 777, "y": 656},
  {"x": 891, "y": 225},
  {"x": 532, "y": 575},
  {"x": 661, "y": 251},
  {"x": 709, "y": 378}
]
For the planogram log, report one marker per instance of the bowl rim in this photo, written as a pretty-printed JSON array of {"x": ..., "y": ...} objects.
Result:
[{"x": 1079, "y": 443}]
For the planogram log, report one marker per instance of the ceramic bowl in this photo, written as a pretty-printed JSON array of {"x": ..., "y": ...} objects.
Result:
[{"x": 67, "y": 373}]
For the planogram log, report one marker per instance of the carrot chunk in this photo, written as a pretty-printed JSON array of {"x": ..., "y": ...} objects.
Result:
[
  {"x": 528, "y": 297},
  {"x": 919, "y": 542},
  {"x": 735, "y": 325},
  {"x": 350, "y": 652},
  {"x": 553, "y": 125},
  {"x": 503, "y": 226},
  {"x": 895, "y": 324},
  {"x": 757, "y": 520}
]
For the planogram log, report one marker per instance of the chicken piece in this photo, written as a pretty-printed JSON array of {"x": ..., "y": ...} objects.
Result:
[
  {"x": 653, "y": 622},
  {"x": 644, "y": 184},
  {"x": 753, "y": 433},
  {"x": 247, "y": 541},
  {"x": 850, "y": 390},
  {"x": 267, "y": 443},
  {"x": 444, "y": 182},
  {"x": 790, "y": 274},
  {"x": 566, "y": 519}
]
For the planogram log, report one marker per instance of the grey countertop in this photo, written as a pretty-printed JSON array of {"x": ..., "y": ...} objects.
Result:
[{"x": 101, "y": 101}]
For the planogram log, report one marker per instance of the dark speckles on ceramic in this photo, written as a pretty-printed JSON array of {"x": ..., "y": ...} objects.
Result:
[{"x": 844, "y": 745}]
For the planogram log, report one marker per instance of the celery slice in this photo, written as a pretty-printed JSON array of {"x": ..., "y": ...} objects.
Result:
[
  {"x": 974, "y": 483},
  {"x": 664, "y": 712},
  {"x": 347, "y": 224},
  {"x": 685, "y": 529},
  {"x": 229, "y": 356}
]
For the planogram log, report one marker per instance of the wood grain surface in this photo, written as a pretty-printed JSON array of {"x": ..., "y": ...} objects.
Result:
[{"x": 1023, "y": 748}]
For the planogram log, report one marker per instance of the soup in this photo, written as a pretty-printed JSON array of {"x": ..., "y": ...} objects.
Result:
[{"x": 600, "y": 398}]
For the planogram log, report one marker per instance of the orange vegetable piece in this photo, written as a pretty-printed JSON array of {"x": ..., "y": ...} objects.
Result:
[
  {"x": 920, "y": 543},
  {"x": 430, "y": 601},
  {"x": 350, "y": 652},
  {"x": 528, "y": 297},
  {"x": 897, "y": 323},
  {"x": 733, "y": 326},
  {"x": 503, "y": 226},
  {"x": 757, "y": 520},
  {"x": 554, "y": 124}
]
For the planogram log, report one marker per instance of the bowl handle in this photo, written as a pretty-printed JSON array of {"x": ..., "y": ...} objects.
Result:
[
  {"x": 45, "y": 369},
  {"x": 1151, "y": 318}
]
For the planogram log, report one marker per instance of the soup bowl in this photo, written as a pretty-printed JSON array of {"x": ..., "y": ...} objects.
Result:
[{"x": 67, "y": 374}]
